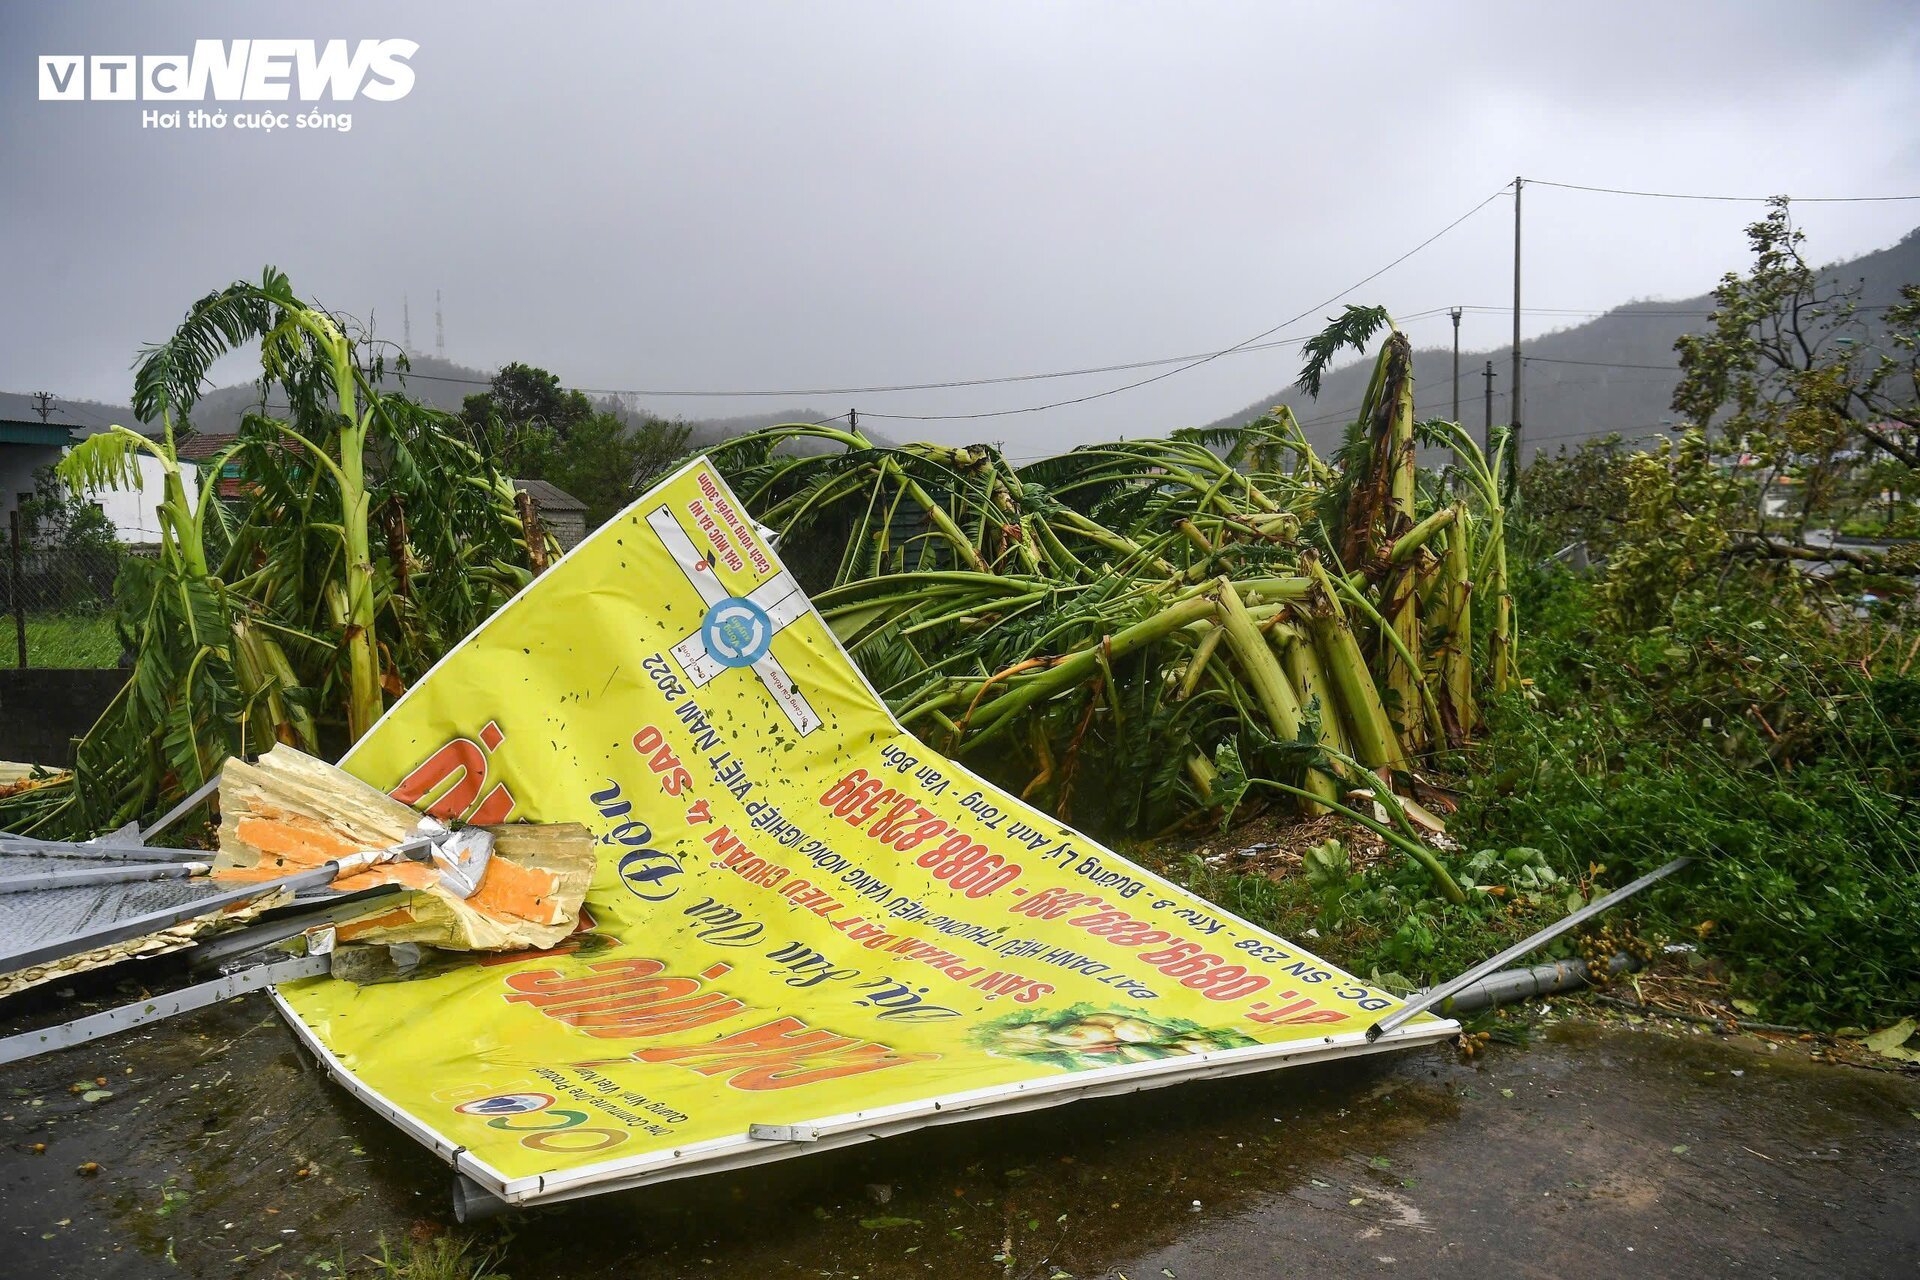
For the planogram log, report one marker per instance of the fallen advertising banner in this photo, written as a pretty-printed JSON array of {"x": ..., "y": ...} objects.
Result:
[{"x": 805, "y": 928}]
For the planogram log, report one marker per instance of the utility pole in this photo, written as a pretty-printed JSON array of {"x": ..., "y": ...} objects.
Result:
[
  {"x": 1488, "y": 375},
  {"x": 440, "y": 328},
  {"x": 1456, "y": 366},
  {"x": 406, "y": 325},
  {"x": 853, "y": 421},
  {"x": 43, "y": 404},
  {"x": 1513, "y": 397},
  {"x": 19, "y": 591}
]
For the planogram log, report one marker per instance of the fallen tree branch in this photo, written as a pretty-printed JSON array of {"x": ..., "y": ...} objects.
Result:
[{"x": 1782, "y": 549}]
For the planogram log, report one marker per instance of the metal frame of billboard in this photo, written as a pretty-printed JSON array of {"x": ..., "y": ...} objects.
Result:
[{"x": 828, "y": 1132}]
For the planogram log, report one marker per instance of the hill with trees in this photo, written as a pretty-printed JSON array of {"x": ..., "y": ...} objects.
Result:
[
  {"x": 430, "y": 380},
  {"x": 1614, "y": 373}
]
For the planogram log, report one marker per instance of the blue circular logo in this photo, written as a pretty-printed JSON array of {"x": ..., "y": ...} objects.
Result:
[{"x": 737, "y": 632}]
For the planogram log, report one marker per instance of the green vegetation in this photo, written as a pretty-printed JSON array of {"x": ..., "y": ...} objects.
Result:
[
  {"x": 1157, "y": 638},
  {"x": 66, "y": 640},
  {"x": 1793, "y": 372},
  {"x": 532, "y": 428},
  {"x": 1386, "y": 923},
  {"x": 1142, "y": 633},
  {"x": 1718, "y": 686},
  {"x": 375, "y": 537},
  {"x": 1748, "y": 718},
  {"x": 440, "y": 1257},
  {"x": 1750, "y": 728},
  {"x": 68, "y": 562}
]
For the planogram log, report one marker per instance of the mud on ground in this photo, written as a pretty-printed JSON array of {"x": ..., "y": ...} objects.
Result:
[{"x": 1599, "y": 1150}]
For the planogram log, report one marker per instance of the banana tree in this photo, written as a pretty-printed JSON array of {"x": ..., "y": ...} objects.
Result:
[
  {"x": 304, "y": 350},
  {"x": 288, "y": 622},
  {"x": 1129, "y": 610},
  {"x": 183, "y": 709}
]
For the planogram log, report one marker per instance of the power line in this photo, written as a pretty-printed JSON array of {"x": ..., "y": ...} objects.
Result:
[
  {"x": 1057, "y": 404},
  {"x": 1192, "y": 360},
  {"x": 1341, "y": 415},
  {"x": 1659, "y": 432},
  {"x": 1346, "y": 415},
  {"x": 881, "y": 389},
  {"x": 901, "y": 386},
  {"x": 913, "y": 386},
  {"x": 1602, "y": 364},
  {"x": 1682, "y": 195},
  {"x": 1620, "y": 309},
  {"x": 87, "y": 413},
  {"x": 1337, "y": 415}
]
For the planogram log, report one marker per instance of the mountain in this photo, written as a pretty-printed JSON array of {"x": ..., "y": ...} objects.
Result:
[
  {"x": 1613, "y": 373},
  {"x": 431, "y": 380},
  {"x": 82, "y": 416}
]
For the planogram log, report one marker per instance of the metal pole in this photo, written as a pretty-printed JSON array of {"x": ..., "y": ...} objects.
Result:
[
  {"x": 43, "y": 880},
  {"x": 217, "y": 950},
  {"x": 1456, "y": 365},
  {"x": 473, "y": 1202},
  {"x": 186, "y": 806},
  {"x": 1487, "y": 441},
  {"x": 1524, "y": 984},
  {"x": 19, "y": 589},
  {"x": 1428, "y": 999},
  {"x": 139, "y": 926},
  {"x": 28, "y": 847},
  {"x": 1513, "y": 402},
  {"x": 31, "y": 1044}
]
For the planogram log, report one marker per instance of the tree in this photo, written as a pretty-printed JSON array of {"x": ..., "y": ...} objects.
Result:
[
  {"x": 1577, "y": 495},
  {"x": 605, "y": 461},
  {"x": 289, "y": 622},
  {"x": 76, "y": 553},
  {"x": 57, "y": 517},
  {"x": 522, "y": 416},
  {"x": 1792, "y": 369},
  {"x": 536, "y": 429}
]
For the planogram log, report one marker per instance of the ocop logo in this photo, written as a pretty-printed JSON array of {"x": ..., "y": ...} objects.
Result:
[
  {"x": 737, "y": 632},
  {"x": 542, "y": 1126},
  {"x": 506, "y": 1104}
]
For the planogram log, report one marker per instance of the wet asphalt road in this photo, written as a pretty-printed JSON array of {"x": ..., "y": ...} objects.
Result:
[{"x": 1596, "y": 1151}]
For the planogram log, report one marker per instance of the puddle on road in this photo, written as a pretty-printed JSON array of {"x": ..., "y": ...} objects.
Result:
[{"x": 1575, "y": 1148}]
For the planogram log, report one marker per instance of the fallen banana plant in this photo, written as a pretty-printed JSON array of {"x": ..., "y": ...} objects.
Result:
[
  {"x": 374, "y": 537},
  {"x": 1129, "y": 631}
]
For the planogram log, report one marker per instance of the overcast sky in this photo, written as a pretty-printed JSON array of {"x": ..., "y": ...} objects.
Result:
[{"x": 736, "y": 195}]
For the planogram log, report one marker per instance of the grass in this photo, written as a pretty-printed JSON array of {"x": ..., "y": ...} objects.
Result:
[
  {"x": 437, "y": 1257},
  {"x": 1766, "y": 741},
  {"x": 1745, "y": 723},
  {"x": 1385, "y": 925},
  {"x": 64, "y": 640}
]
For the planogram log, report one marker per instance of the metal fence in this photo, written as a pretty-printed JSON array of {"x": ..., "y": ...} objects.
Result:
[{"x": 56, "y": 596}]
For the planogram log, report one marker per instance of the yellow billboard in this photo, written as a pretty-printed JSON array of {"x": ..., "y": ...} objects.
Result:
[{"x": 805, "y": 929}]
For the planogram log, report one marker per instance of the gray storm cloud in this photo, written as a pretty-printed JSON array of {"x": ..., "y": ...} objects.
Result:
[{"x": 745, "y": 196}]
